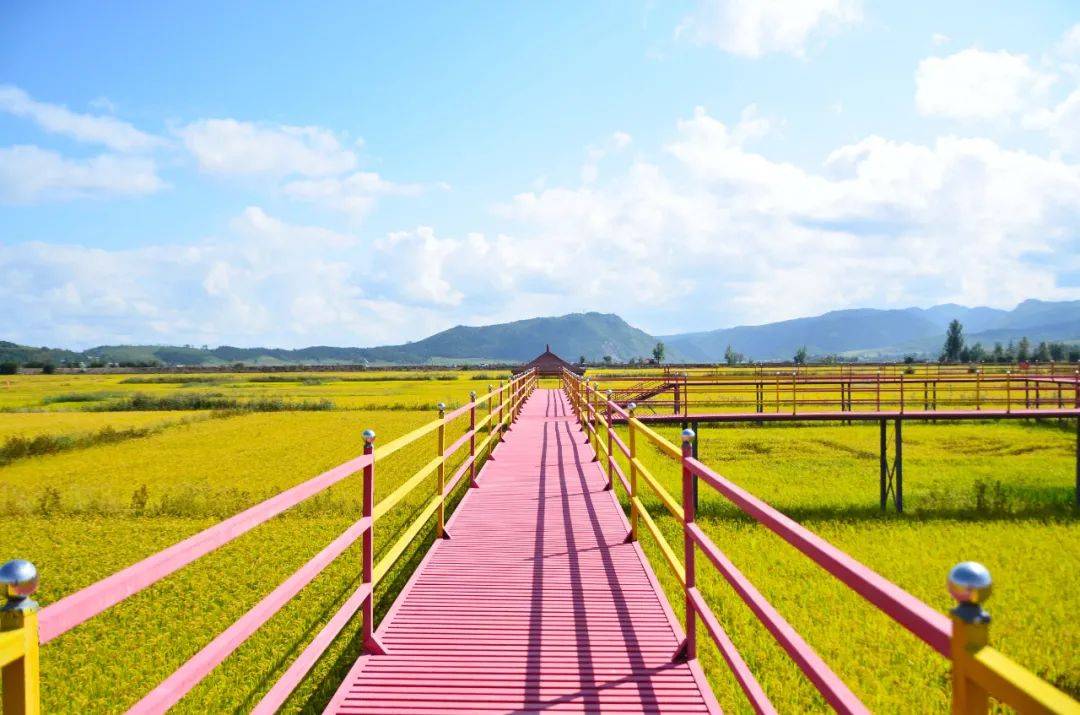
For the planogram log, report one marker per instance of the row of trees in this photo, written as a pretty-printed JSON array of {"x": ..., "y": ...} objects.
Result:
[{"x": 956, "y": 349}]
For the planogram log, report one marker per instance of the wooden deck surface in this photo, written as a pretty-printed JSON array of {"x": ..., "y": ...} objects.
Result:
[{"x": 535, "y": 604}]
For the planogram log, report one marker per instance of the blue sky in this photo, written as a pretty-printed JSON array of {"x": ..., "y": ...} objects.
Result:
[{"x": 363, "y": 173}]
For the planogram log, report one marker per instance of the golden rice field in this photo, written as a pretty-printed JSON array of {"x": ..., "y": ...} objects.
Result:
[{"x": 126, "y": 465}]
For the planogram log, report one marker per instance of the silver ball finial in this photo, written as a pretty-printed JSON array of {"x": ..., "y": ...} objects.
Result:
[
  {"x": 632, "y": 406},
  {"x": 20, "y": 581},
  {"x": 608, "y": 393},
  {"x": 441, "y": 406},
  {"x": 969, "y": 582},
  {"x": 368, "y": 435},
  {"x": 472, "y": 395},
  {"x": 688, "y": 435}
]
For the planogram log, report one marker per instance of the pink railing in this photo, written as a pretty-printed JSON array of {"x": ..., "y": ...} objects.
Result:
[
  {"x": 978, "y": 670},
  {"x": 503, "y": 405}
]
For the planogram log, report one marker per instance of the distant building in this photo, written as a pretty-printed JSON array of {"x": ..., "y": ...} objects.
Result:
[{"x": 548, "y": 364}]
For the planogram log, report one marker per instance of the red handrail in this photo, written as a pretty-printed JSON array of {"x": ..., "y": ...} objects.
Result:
[
  {"x": 922, "y": 620},
  {"x": 191, "y": 673},
  {"x": 60, "y": 617}
]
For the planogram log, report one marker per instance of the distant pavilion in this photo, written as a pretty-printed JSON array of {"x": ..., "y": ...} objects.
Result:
[{"x": 548, "y": 364}]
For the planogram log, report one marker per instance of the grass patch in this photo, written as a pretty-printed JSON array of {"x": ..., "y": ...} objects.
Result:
[{"x": 210, "y": 401}]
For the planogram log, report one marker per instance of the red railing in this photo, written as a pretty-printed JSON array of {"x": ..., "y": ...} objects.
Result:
[
  {"x": 503, "y": 405},
  {"x": 978, "y": 670}
]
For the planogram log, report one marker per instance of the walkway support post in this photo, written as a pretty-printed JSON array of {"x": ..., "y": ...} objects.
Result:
[
  {"x": 472, "y": 440},
  {"x": 688, "y": 649},
  {"x": 632, "y": 445},
  {"x": 367, "y": 550},
  {"x": 440, "y": 486},
  {"x": 883, "y": 450},
  {"x": 21, "y": 675},
  {"x": 898, "y": 491}
]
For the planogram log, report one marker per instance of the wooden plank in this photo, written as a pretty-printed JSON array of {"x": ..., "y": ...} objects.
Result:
[{"x": 536, "y": 603}]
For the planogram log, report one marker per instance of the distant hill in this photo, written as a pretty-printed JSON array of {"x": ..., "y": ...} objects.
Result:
[
  {"x": 871, "y": 333},
  {"x": 864, "y": 333},
  {"x": 593, "y": 335}
]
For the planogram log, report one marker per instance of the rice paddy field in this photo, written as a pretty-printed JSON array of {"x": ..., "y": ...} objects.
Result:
[
  {"x": 99, "y": 471},
  {"x": 998, "y": 493}
]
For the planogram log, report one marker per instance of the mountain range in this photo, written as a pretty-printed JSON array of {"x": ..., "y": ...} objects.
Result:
[{"x": 858, "y": 333}]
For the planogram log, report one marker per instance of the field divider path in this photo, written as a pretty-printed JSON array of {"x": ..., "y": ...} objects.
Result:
[{"x": 537, "y": 604}]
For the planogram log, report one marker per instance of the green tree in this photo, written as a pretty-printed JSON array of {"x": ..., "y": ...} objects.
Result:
[
  {"x": 999, "y": 353},
  {"x": 608, "y": 360},
  {"x": 1042, "y": 353},
  {"x": 977, "y": 353},
  {"x": 658, "y": 352},
  {"x": 1058, "y": 351},
  {"x": 1023, "y": 350},
  {"x": 9, "y": 368},
  {"x": 800, "y": 356},
  {"x": 731, "y": 357},
  {"x": 581, "y": 360},
  {"x": 954, "y": 342}
]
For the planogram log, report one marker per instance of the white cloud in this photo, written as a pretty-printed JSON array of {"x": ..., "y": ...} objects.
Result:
[
  {"x": 266, "y": 282},
  {"x": 752, "y": 28},
  {"x": 113, "y": 133},
  {"x": 1061, "y": 123},
  {"x": 228, "y": 146},
  {"x": 355, "y": 194},
  {"x": 29, "y": 174},
  {"x": 712, "y": 233},
  {"x": 975, "y": 84},
  {"x": 940, "y": 40}
]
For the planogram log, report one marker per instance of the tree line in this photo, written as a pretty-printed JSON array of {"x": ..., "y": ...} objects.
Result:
[{"x": 956, "y": 349}]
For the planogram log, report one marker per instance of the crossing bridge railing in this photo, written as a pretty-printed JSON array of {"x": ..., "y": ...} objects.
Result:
[
  {"x": 979, "y": 671},
  {"x": 23, "y": 628}
]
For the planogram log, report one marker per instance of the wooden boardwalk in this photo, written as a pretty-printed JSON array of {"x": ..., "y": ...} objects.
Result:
[{"x": 535, "y": 604}]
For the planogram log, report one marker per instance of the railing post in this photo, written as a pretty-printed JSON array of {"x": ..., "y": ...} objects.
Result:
[
  {"x": 970, "y": 585},
  {"x": 472, "y": 440},
  {"x": 688, "y": 650},
  {"x": 21, "y": 677},
  {"x": 586, "y": 417},
  {"x": 367, "y": 546},
  {"x": 440, "y": 531},
  {"x": 610, "y": 456},
  {"x": 502, "y": 408},
  {"x": 632, "y": 445}
]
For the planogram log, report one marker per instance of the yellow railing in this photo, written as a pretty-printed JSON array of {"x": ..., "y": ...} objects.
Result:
[
  {"x": 979, "y": 672},
  {"x": 20, "y": 634}
]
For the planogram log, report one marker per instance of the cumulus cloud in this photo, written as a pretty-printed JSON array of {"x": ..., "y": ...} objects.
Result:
[
  {"x": 354, "y": 194},
  {"x": 709, "y": 233},
  {"x": 30, "y": 174},
  {"x": 231, "y": 147},
  {"x": 266, "y": 281},
  {"x": 975, "y": 84},
  {"x": 753, "y": 28},
  {"x": 54, "y": 118}
]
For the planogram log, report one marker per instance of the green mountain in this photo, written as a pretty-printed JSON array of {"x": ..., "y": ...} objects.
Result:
[
  {"x": 886, "y": 334},
  {"x": 863, "y": 333},
  {"x": 592, "y": 335}
]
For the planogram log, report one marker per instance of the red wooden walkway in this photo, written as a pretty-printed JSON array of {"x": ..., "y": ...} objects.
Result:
[{"x": 535, "y": 604}]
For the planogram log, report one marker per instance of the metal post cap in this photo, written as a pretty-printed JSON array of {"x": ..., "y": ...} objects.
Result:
[
  {"x": 632, "y": 406},
  {"x": 368, "y": 435},
  {"x": 969, "y": 582},
  {"x": 472, "y": 395},
  {"x": 441, "y": 406},
  {"x": 688, "y": 435},
  {"x": 20, "y": 581}
]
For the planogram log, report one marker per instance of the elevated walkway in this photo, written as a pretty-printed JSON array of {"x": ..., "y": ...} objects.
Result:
[{"x": 535, "y": 604}]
